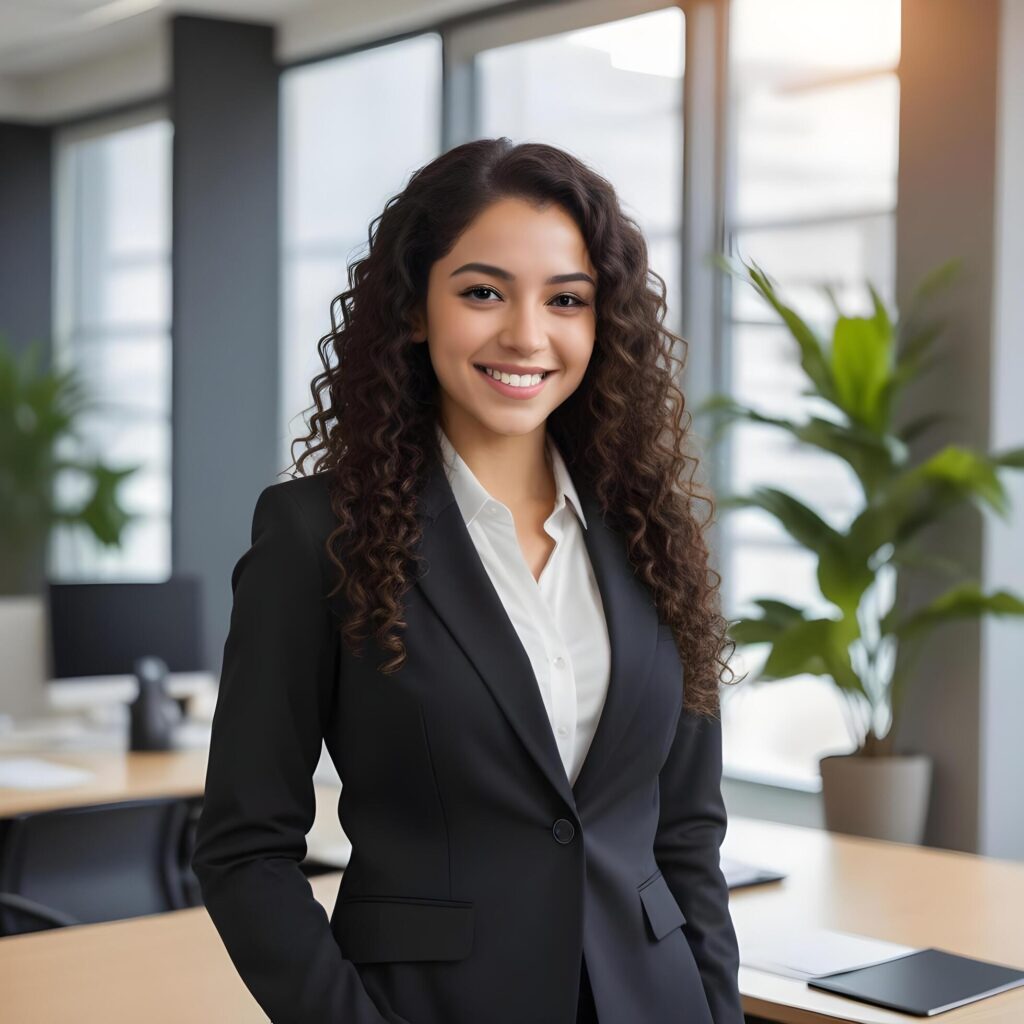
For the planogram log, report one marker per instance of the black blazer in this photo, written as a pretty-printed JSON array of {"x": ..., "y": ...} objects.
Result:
[{"x": 478, "y": 875}]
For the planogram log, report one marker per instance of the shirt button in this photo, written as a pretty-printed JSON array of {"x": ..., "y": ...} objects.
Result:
[
  {"x": 563, "y": 731},
  {"x": 495, "y": 511},
  {"x": 558, "y": 662},
  {"x": 563, "y": 831}
]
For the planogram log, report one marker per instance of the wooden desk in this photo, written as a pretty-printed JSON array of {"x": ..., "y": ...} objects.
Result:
[
  {"x": 909, "y": 894},
  {"x": 117, "y": 775},
  {"x": 163, "y": 969},
  {"x": 122, "y": 775},
  {"x": 173, "y": 967}
]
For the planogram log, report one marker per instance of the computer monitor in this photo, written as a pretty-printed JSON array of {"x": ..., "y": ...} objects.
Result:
[{"x": 98, "y": 630}]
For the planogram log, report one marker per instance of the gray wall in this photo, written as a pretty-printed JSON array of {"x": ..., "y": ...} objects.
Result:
[
  {"x": 25, "y": 235},
  {"x": 225, "y": 306},
  {"x": 949, "y": 135},
  {"x": 1001, "y": 809}
]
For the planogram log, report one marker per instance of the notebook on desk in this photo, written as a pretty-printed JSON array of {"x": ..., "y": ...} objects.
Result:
[
  {"x": 924, "y": 983},
  {"x": 739, "y": 873}
]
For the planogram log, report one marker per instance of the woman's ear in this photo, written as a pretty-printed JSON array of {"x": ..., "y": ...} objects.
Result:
[{"x": 419, "y": 325}]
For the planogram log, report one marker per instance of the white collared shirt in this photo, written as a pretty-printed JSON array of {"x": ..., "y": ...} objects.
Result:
[{"x": 559, "y": 618}]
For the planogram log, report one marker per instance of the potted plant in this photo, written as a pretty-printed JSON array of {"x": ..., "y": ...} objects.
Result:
[
  {"x": 39, "y": 408},
  {"x": 869, "y": 652}
]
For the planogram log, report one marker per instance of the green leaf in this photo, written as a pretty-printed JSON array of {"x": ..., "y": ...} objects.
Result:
[
  {"x": 872, "y": 457},
  {"x": 777, "y": 616},
  {"x": 843, "y": 573},
  {"x": 964, "y": 601},
  {"x": 802, "y": 523},
  {"x": 779, "y": 612},
  {"x": 925, "y": 493},
  {"x": 968, "y": 473},
  {"x": 797, "y": 650},
  {"x": 753, "y": 631},
  {"x": 812, "y": 355},
  {"x": 725, "y": 411},
  {"x": 815, "y": 646},
  {"x": 861, "y": 360},
  {"x": 843, "y": 577},
  {"x": 102, "y": 513},
  {"x": 883, "y": 322},
  {"x": 830, "y": 294}
]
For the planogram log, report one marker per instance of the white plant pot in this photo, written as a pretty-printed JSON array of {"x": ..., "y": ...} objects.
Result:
[
  {"x": 24, "y": 666},
  {"x": 880, "y": 797}
]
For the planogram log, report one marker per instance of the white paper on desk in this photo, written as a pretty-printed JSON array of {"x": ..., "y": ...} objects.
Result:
[
  {"x": 32, "y": 773},
  {"x": 803, "y": 952}
]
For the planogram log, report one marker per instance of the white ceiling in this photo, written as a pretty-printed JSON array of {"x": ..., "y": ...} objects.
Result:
[
  {"x": 40, "y": 36},
  {"x": 61, "y": 59}
]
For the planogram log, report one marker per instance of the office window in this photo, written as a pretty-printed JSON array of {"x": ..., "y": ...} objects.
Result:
[
  {"x": 611, "y": 94},
  {"x": 353, "y": 129},
  {"x": 814, "y": 105},
  {"x": 112, "y": 325}
]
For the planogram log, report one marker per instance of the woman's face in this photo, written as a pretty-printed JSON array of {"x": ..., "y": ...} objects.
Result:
[{"x": 517, "y": 291}]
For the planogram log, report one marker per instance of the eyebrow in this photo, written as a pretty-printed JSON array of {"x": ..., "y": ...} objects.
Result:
[{"x": 486, "y": 268}]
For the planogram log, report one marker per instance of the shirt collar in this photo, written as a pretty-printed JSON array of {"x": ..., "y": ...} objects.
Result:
[{"x": 471, "y": 495}]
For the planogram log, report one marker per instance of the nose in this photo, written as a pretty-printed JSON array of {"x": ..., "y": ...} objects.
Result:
[{"x": 524, "y": 330}]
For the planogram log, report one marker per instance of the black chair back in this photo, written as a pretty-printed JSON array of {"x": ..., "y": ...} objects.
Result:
[{"x": 83, "y": 865}]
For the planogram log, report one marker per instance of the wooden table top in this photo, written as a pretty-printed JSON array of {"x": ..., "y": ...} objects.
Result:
[
  {"x": 117, "y": 775},
  {"x": 917, "y": 896},
  {"x": 173, "y": 967}
]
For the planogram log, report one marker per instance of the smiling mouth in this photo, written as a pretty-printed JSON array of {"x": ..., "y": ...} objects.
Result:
[{"x": 496, "y": 374}]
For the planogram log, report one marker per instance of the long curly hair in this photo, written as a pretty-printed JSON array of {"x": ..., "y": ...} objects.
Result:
[{"x": 623, "y": 430}]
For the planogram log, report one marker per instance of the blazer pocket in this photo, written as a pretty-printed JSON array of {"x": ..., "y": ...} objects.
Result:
[
  {"x": 660, "y": 907},
  {"x": 373, "y": 929}
]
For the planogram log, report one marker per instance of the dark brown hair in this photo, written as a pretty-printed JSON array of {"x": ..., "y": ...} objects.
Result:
[{"x": 623, "y": 431}]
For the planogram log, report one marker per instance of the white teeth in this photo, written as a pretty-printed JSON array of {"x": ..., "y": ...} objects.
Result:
[{"x": 516, "y": 380}]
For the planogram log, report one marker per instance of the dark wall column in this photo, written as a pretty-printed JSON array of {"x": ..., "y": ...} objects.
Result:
[
  {"x": 26, "y": 251},
  {"x": 225, "y": 305}
]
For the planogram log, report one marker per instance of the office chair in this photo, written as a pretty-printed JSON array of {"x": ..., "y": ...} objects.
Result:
[
  {"x": 83, "y": 865},
  {"x": 189, "y": 882}
]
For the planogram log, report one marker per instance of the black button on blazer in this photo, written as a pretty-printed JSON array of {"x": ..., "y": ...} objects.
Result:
[{"x": 478, "y": 875}]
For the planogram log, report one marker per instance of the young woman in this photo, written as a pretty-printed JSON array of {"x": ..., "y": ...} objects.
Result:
[{"x": 483, "y": 598}]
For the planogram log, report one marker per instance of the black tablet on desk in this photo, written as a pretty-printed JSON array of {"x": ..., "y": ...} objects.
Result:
[
  {"x": 739, "y": 873},
  {"x": 923, "y": 983}
]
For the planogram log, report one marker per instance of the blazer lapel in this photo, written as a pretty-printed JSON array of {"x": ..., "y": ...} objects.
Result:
[
  {"x": 632, "y": 620},
  {"x": 457, "y": 586}
]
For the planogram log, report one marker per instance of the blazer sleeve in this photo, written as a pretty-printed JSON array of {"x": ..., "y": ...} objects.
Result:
[
  {"x": 275, "y": 691},
  {"x": 691, "y": 828}
]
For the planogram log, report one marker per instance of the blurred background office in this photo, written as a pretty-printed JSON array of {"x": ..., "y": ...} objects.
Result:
[{"x": 182, "y": 186}]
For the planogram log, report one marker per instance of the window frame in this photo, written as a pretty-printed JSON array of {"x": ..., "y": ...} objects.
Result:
[
  {"x": 65, "y": 238},
  {"x": 723, "y": 336}
]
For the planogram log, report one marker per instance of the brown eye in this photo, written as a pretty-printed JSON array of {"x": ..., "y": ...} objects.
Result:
[
  {"x": 575, "y": 298},
  {"x": 479, "y": 288}
]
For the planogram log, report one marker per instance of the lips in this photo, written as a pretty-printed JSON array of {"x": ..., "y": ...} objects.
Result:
[{"x": 513, "y": 391}]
